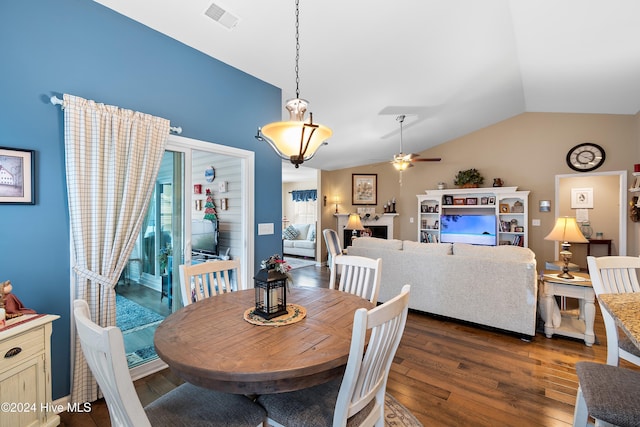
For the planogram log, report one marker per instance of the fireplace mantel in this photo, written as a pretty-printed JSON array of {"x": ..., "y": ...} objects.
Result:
[{"x": 383, "y": 219}]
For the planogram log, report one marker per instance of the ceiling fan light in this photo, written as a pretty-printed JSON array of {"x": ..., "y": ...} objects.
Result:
[{"x": 400, "y": 163}]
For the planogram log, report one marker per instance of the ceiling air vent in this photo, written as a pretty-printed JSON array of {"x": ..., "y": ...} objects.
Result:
[{"x": 221, "y": 16}]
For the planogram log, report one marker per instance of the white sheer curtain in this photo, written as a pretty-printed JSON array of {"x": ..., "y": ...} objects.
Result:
[{"x": 112, "y": 161}]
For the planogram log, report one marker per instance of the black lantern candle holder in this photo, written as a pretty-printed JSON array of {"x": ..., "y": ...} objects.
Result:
[{"x": 271, "y": 296}]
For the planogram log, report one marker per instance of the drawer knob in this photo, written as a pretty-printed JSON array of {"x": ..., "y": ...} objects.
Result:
[{"x": 12, "y": 352}]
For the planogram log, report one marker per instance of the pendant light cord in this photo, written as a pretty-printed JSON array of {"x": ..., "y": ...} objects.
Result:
[{"x": 297, "y": 48}]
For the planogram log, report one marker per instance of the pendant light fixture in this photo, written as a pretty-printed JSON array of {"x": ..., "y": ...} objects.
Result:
[{"x": 295, "y": 139}]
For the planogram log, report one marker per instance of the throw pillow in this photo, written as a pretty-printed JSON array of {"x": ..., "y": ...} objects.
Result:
[{"x": 290, "y": 233}]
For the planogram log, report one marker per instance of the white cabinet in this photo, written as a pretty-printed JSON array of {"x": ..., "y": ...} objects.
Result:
[
  {"x": 507, "y": 205},
  {"x": 25, "y": 372}
]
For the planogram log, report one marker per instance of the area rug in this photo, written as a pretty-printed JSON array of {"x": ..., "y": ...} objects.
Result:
[
  {"x": 396, "y": 415},
  {"x": 141, "y": 356},
  {"x": 299, "y": 262},
  {"x": 131, "y": 315}
]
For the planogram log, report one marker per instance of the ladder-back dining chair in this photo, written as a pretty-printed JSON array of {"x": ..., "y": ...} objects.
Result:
[
  {"x": 615, "y": 275},
  {"x": 185, "y": 405},
  {"x": 332, "y": 241},
  {"x": 359, "y": 395},
  {"x": 358, "y": 275},
  {"x": 208, "y": 279}
]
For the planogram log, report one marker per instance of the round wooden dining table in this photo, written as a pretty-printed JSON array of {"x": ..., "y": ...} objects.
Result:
[{"x": 210, "y": 344}]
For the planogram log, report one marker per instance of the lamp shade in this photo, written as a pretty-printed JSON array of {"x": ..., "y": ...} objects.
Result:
[
  {"x": 354, "y": 223},
  {"x": 566, "y": 230}
]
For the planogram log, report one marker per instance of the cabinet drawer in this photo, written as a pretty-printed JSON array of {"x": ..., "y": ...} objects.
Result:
[{"x": 30, "y": 343}]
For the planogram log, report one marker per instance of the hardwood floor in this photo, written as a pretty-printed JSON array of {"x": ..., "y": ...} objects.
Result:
[{"x": 452, "y": 374}]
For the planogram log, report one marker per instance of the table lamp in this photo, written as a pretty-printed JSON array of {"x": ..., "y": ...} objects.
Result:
[
  {"x": 566, "y": 231},
  {"x": 355, "y": 225}
]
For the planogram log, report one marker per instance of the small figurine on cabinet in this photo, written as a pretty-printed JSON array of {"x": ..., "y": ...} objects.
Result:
[{"x": 12, "y": 305}]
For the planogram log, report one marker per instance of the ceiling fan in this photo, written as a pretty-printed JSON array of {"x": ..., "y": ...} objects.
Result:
[{"x": 403, "y": 161}]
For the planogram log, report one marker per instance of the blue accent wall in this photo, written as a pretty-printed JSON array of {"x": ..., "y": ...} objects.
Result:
[{"x": 82, "y": 48}]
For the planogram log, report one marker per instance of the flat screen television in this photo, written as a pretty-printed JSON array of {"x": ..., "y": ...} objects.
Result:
[
  {"x": 473, "y": 229},
  {"x": 204, "y": 237}
]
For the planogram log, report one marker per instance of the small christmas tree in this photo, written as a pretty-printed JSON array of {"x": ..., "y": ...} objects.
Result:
[{"x": 210, "y": 207}]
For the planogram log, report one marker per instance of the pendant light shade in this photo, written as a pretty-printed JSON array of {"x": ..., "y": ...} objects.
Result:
[{"x": 295, "y": 140}]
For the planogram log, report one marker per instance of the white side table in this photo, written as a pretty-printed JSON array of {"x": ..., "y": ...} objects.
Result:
[{"x": 580, "y": 326}]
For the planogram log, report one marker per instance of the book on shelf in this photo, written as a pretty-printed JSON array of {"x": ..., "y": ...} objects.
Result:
[{"x": 429, "y": 237}]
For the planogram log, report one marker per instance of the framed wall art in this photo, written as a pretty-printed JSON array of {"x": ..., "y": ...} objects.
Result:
[
  {"x": 364, "y": 189},
  {"x": 17, "y": 176},
  {"x": 582, "y": 198}
]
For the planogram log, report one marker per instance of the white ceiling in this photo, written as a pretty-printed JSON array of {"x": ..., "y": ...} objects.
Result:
[{"x": 452, "y": 66}]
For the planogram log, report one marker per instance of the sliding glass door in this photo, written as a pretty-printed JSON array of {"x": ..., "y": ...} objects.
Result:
[{"x": 149, "y": 289}]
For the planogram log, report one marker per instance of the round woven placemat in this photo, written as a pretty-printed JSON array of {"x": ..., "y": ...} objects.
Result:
[{"x": 295, "y": 313}]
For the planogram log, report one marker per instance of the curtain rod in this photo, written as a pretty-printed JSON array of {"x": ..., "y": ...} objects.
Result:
[{"x": 57, "y": 101}]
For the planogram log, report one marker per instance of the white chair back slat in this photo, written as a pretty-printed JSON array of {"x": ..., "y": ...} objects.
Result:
[
  {"x": 358, "y": 275},
  {"x": 103, "y": 349},
  {"x": 208, "y": 279},
  {"x": 365, "y": 378},
  {"x": 332, "y": 242}
]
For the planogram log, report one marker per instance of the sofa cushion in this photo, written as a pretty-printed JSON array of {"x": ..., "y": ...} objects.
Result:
[
  {"x": 375, "y": 242},
  {"x": 303, "y": 231},
  {"x": 305, "y": 244},
  {"x": 290, "y": 233},
  {"x": 311, "y": 235},
  {"x": 287, "y": 243},
  {"x": 427, "y": 248},
  {"x": 502, "y": 253}
]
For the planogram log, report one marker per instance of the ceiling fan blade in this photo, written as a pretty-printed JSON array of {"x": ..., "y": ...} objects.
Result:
[{"x": 433, "y": 159}]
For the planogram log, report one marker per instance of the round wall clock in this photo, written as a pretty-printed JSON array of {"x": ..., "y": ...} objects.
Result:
[
  {"x": 585, "y": 157},
  {"x": 210, "y": 174}
]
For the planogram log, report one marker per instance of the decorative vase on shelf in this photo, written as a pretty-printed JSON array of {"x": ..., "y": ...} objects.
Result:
[{"x": 586, "y": 229}]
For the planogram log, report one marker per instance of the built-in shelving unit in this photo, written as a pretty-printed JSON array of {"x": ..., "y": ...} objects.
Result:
[{"x": 507, "y": 205}]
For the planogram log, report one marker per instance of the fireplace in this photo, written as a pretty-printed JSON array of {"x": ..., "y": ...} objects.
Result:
[
  {"x": 381, "y": 226},
  {"x": 379, "y": 231}
]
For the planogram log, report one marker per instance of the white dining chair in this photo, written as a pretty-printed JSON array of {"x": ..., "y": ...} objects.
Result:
[
  {"x": 359, "y": 395},
  {"x": 615, "y": 275},
  {"x": 185, "y": 405},
  {"x": 332, "y": 241},
  {"x": 608, "y": 393},
  {"x": 208, "y": 279},
  {"x": 358, "y": 275}
]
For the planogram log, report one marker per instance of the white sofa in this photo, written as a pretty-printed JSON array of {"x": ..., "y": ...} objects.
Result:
[
  {"x": 495, "y": 286},
  {"x": 303, "y": 243}
]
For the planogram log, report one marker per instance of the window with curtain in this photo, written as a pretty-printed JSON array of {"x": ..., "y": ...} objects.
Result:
[{"x": 304, "y": 207}]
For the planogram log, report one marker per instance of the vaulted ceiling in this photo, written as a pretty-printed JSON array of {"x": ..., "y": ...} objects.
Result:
[{"x": 451, "y": 66}]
